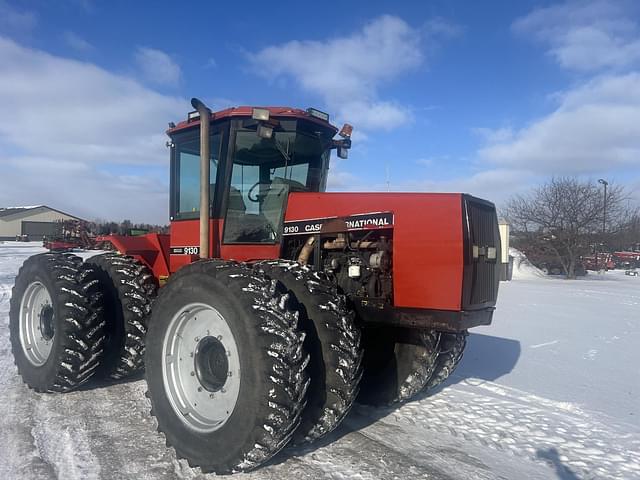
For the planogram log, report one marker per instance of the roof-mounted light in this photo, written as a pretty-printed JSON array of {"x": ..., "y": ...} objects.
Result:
[
  {"x": 346, "y": 131},
  {"x": 318, "y": 114},
  {"x": 265, "y": 130},
  {"x": 193, "y": 116},
  {"x": 260, "y": 114}
]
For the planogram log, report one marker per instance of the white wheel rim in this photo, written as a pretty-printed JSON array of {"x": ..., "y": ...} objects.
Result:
[
  {"x": 37, "y": 331},
  {"x": 201, "y": 367}
]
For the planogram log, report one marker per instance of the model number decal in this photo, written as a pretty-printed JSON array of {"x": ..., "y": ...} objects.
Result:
[
  {"x": 184, "y": 250},
  {"x": 363, "y": 221}
]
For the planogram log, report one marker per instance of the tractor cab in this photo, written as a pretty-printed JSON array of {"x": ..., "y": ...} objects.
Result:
[{"x": 257, "y": 157}]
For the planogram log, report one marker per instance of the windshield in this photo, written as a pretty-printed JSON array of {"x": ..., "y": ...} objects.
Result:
[{"x": 264, "y": 171}]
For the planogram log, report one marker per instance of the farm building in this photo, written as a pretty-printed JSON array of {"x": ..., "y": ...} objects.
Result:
[{"x": 34, "y": 221}]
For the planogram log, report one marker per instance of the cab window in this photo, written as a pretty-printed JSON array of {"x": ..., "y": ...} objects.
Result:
[{"x": 187, "y": 193}]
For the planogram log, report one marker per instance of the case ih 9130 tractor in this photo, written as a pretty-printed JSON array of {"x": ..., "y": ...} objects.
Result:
[{"x": 272, "y": 305}]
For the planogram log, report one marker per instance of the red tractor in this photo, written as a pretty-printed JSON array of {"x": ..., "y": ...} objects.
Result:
[{"x": 272, "y": 305}]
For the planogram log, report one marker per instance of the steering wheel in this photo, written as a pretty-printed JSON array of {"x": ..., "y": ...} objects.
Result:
[{"x": 257, "y": 198}]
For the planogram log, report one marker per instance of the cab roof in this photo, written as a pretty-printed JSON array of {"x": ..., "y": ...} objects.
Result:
[{"x": 247, "y": 111}]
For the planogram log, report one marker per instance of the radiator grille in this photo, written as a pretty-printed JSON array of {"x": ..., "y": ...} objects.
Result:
[{"x": 481, "y": 274}]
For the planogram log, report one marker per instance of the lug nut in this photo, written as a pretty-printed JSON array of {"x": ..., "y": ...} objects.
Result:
[
  {"x": 193, "y": 374},
  {"x": 199, "y": 389},
  {"x": 211, "y": 395}
]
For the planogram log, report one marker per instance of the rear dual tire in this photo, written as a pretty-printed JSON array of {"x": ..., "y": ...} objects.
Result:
[
  {"x": 55, "y": 322},
  {"x": 128, "y": 288},
  {"x": 400, "y": 363}
]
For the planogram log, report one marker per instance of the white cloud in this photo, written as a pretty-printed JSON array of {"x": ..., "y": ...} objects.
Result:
[
  {"x": 427, "y": 161},
  {"x": 587, "y": 35},
  {"x": 595, "y": 127},
  {"x": 157, "y": 66},
  {"x": 76, "y": 42},
  {"x": 347, "y": 72},
  {"x": 439, "y": 27},
  {"x": 67, "y": 124},
  {"x": 14, "y": 19},
  {"x": 493, "y": 184},
  {"x": 490, "y": 135}
]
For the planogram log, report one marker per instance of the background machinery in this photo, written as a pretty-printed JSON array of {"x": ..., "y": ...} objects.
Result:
[{"x": 271, "y": 305}]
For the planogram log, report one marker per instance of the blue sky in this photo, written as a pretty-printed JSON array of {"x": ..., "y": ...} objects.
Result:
[{"x": 484, "y": 97}]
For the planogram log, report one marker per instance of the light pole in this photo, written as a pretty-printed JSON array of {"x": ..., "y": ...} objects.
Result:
[
  {"x": 604, "y": 212},
  {"x": 604, "y": 215}
]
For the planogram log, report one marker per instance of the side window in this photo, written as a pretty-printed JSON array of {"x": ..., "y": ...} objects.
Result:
[{"x": 188, "y": 175}]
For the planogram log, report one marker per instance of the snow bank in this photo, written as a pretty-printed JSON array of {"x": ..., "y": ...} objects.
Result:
[{"x": 522, "y": 267}]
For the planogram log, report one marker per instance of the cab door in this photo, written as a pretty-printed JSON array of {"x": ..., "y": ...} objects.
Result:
[
  {"x": 185, "y": 194},
  {"x": 256, "y": 198}
]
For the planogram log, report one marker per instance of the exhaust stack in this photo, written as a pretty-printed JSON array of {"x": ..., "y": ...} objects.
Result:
[{"x": 205, "y": 118}]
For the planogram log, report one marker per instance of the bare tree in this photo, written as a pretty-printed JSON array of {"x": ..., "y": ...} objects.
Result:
[{"x": 564, "y": 217}]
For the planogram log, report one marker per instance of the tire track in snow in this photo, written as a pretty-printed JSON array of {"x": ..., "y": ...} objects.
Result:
[
  {"x": 63, "y": 443},
  {"x": 5, "y": 295},
  {"x": 355, "y": 455},
  {"x": 120, "y": 431},
  {"x": 525, "y": 425},
  {"x": 20, "y": 457}
]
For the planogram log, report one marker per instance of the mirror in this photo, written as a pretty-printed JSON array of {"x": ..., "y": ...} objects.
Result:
[{"x": 343, "y": 152}]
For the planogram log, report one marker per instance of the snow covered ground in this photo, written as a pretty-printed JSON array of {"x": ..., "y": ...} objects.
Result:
[{"x": 550, "y": 390}]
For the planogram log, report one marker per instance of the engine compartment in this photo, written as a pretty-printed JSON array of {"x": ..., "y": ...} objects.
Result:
[{"x": 361, "y": 261}]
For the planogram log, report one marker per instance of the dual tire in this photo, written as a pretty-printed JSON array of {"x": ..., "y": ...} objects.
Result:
[
  {"x": 128, "y": 289},
  {"x": 56, "y": 325},
  {"x": 226, "y": 366},
  {"x": 70, "y": 320},
  {"x": 400, "y": 363}
]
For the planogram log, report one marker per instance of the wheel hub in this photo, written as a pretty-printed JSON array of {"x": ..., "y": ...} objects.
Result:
[
  {"x": 212, "y": 366},
  {"x": 201, "y": 367},
  {"x": 47, "y": 328},
  {"x": 37, "y": 323}
]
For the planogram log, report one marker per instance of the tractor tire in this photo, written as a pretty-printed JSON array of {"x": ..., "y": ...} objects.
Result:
[
  {"x": 333, "y": 342},
  {"x": 398, "y": 363},
  {"x": 56, "y": 325},
  {"x": 225, "y": 366},
  {"x": 449, "y": 355},
  {"x": 128, "y": 288}
]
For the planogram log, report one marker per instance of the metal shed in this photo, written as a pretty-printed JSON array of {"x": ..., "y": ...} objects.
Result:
[{"x": 34, "y": 221}]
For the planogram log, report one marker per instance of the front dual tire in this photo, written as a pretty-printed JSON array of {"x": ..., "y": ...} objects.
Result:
[{"x": 225, "y": 366}]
